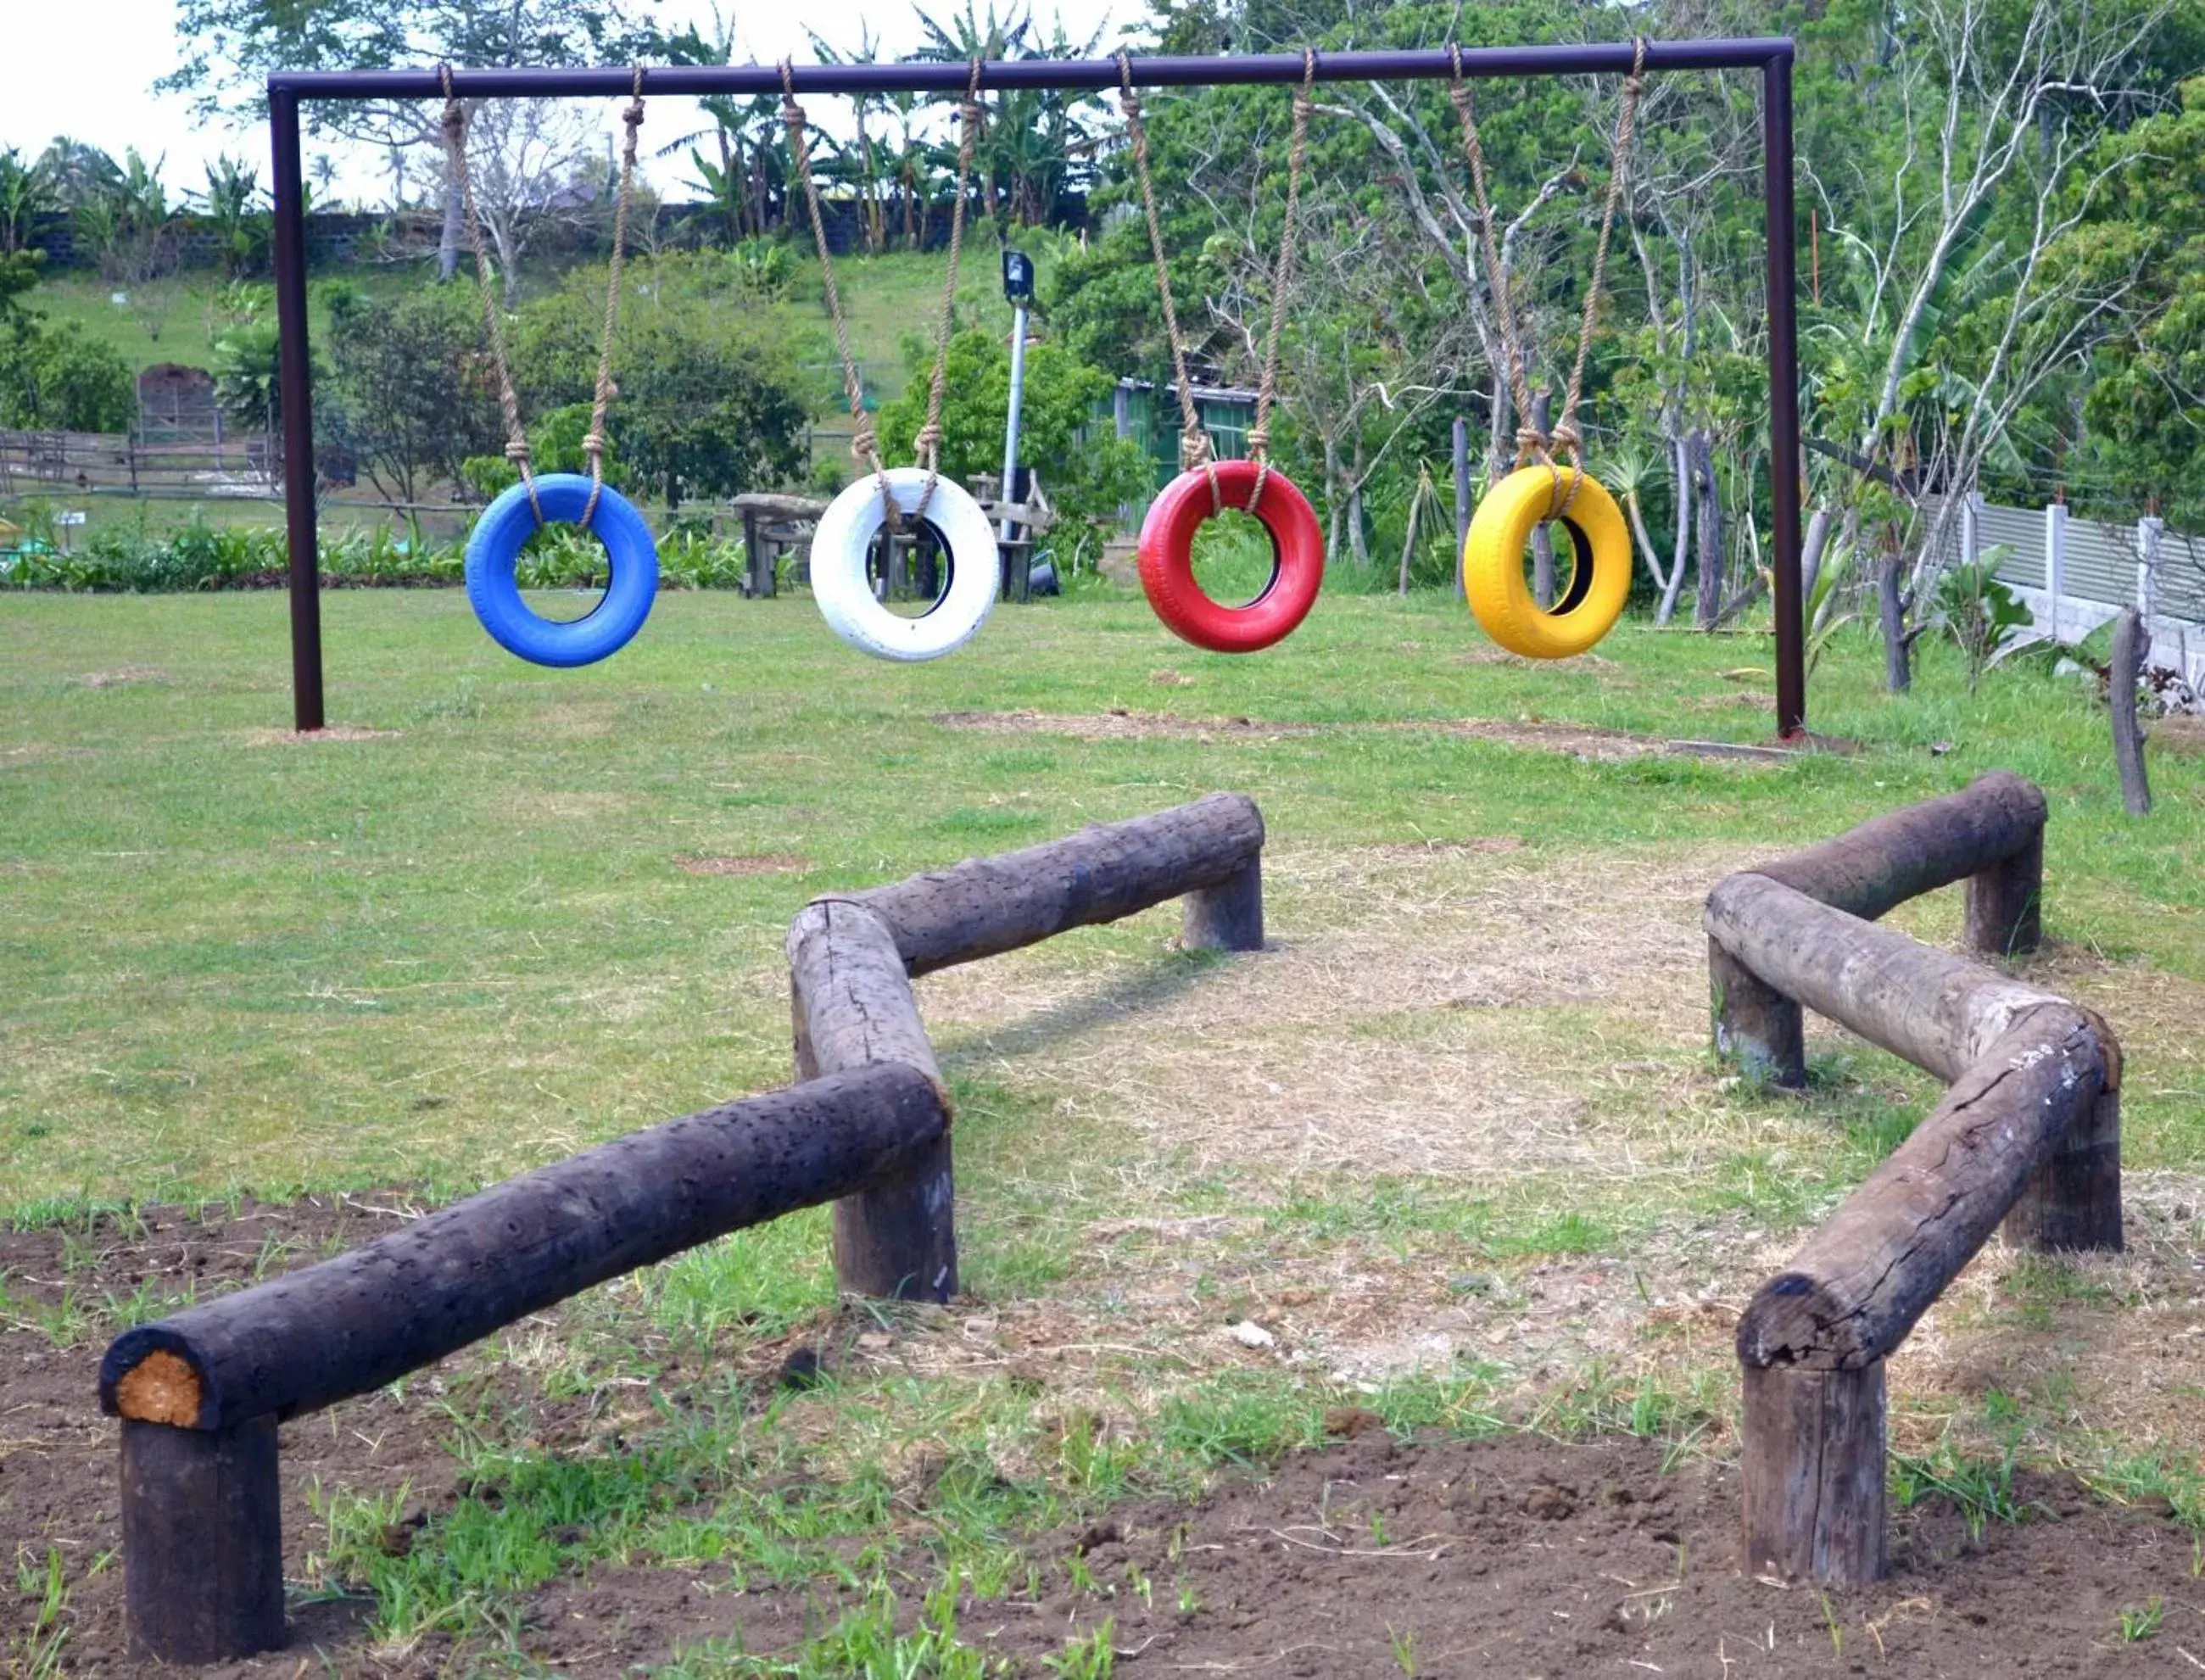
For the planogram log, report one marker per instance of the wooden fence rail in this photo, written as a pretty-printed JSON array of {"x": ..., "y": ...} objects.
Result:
[
  {"x": 2028, "y": 1134},
  {"x": 868, "y": 1127}
]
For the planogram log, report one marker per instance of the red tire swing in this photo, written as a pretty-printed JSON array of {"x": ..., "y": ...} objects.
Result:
[{"x": 1206, "y": 487}]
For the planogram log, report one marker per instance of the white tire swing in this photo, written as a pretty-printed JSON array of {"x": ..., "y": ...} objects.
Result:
[
  {"x": 841, "y": 570},
  {"x": 843, "y": 543}
]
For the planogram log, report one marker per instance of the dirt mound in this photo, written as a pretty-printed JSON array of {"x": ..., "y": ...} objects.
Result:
[{"x": 1520, "y": 1556}]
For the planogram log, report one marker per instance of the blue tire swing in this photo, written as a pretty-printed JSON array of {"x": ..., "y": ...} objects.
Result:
[{"x": 566, "y": 498}]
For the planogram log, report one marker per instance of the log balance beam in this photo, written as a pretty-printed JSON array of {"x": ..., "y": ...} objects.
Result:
[
  {"x": 2028, "y": 1134},
  {"x": 867, "y": 1127}
]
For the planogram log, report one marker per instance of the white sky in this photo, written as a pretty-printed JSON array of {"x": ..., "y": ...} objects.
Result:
[{"x": 86, "y": 68}]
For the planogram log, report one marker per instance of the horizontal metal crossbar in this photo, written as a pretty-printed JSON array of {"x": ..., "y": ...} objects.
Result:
[{"x": 1593, "y": 57}]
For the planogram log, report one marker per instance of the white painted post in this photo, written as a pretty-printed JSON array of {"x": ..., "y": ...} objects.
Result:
[
  {"x": 2055, "y": 561},
  {"x": 2148, "y": 530}
]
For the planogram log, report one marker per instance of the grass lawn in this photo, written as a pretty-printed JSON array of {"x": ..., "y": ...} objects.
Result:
[{"x": 1455, "y": 1140}]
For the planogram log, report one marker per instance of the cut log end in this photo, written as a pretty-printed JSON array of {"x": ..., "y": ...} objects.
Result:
[
  {"x": 1789, "y": 1322},
  {"x": 160, "y": 1388}
]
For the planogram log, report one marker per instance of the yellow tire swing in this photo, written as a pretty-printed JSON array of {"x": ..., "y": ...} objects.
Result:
[{"x": 1538, "y": 490}]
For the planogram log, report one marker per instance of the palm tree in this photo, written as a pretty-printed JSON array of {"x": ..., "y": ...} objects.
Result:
[
  {"x": 26, "y": 194},
  {"x": 858, "y": 168},
  {"x": 751, "y": 173}
]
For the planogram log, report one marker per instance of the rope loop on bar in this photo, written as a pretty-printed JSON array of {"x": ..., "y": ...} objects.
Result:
[
  {"x": 864, "y": 444},
  {"x": 509, "y": 400},
  {"x": 1194, "y": 446}
]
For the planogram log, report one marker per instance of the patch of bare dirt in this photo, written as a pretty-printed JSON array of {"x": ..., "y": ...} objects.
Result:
[
  {"x": 1170, "y": 679},
  {"x": 1520, "y": 1556},
  {"x": 754, "y": 863},
  {"x": 335, "y": 732}
]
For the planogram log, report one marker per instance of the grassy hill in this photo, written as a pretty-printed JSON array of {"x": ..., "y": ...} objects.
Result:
[{"x": 887, "y": 298}]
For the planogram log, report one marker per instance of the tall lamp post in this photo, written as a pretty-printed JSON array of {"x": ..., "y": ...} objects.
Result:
[{"x": 1018, "y": 291}]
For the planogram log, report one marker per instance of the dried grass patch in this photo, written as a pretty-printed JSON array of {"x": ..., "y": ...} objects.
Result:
[
  {"x": 2182, "y": 736},
  {"x": 120, "y": 675},
  {"x": 1403, "y": 1024},
  {"x": 1578, "y": 740},
  {"x": 334, "y": 731},
  {"x": 563, "y": 805},
  {"x": 755, "y": 863}
]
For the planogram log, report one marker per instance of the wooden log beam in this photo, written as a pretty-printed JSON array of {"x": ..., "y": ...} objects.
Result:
[
  {"x": 202, "y": 1541},
  {"x": 1811, "y": 1472},
  {"x": 1895, "y": 858},
  {"x": 352, "y": 1324},
  {"x": 1940, "y": 1012},
  {"x": 851, "y": 1006},
  {"x": 2006, "y": 904},
  {"x": 985, "y": 905},
  {"x": 1853, "y": 1291}
]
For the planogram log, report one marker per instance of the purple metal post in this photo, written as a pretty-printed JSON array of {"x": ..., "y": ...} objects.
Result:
[
  {"x": 1771, "y": 56},
  {"x": 295, "y": 390},
  {"x": 1784, "y": 460}
]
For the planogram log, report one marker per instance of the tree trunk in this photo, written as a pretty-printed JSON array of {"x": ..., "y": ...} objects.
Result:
[
  {"x": 1408, "y": 542},
  {"x": 1358, "y": 541},
  {"x": 1810, "y": 557},
  {"x": 1707, "y": 611},
  {"x": 1898, "y": 670},
  {"x": 448, "y": 243},
  {"x": 2129, "y": 643}
]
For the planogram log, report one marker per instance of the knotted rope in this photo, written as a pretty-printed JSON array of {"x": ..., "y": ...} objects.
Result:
[
  {"x": 863, "y": 442},
  {"x": 456, "y": 146},
  {"x": 1259, "y": 435},
  {"x": 1194, "y": 450},
  {"x": 1532, "y": 443},
  {"x": 593, "y": 441},
  {"x": 928, "y": 443}
]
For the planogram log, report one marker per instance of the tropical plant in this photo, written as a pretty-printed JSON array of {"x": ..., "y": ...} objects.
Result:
[
  {"x": 27, "y": 196},
  {"x": 234, "y": 203},
  {"x": 1980, "y": 614}
]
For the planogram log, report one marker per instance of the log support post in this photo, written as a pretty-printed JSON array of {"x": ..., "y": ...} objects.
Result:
[
  {"x": 202, "y": 1541},
  {"x": 1813, "y": 1474},
  {"x": 2006, "y": 903},
  {"x": 851, "y": 1006},
  {"x": 1757, "y": 1028},
  {"x": 2073, "y": 1202},
  {"x": 1228, "y": 917}
]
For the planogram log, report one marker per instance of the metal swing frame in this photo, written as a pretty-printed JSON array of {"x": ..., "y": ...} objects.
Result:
[{"x": 1772, "y": 57}]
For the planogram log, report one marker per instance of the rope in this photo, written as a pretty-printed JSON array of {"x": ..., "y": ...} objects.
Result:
[
  {"x": 516, "y": 440},
  {"x": 863, "y": 442},
  {"x": 1194, "y": 450},
  {"x": 1259, "y": 435},
  {"x": 1532, "y": 443},
  {"x": 929, "y": 440},
  {"x": 593, "y": 441}
]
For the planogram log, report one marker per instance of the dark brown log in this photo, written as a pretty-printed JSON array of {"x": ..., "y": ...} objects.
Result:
[
  {"x": 1891, "y": 858},
  {"x": 2127, "y": 667},
  {"x": 355, "y": 1323},
  {"x": 1857, "y": 1287},
  {"x": 202, "y": 1541},
  {"x": 2006, "y": 903},
  {"x": 852, "y": 1008},
  {"x": 1228, "y": 917},
  {"x": 1811, "y": 1470},
  {"x": 1757, "y": 1028},
  {"x": 988, "y": 904},
  {"x": 1938, "y": 1011},
  {"x": 2073, "y": 1202}
]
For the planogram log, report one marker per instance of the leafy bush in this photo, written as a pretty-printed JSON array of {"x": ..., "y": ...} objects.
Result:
[
  {"x": 133, "y": 561},
  {"x": 1086, "y": 470}
]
